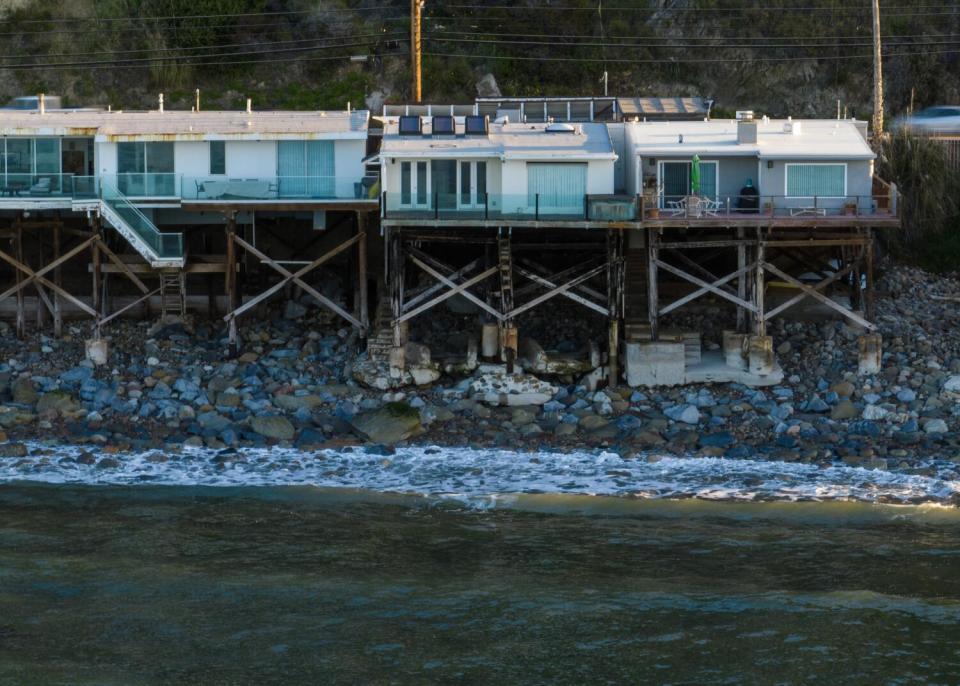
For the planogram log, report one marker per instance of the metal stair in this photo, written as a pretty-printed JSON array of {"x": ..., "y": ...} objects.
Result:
[
  {"x": 160, "y": 250},
  {"x": 173, "y": 292}
]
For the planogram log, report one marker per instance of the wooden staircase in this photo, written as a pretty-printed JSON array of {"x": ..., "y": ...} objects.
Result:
[
  {"x": 636, "y": 322},
  {"x": 380, "y": 340},
  {"x": 173, "y": 292}
]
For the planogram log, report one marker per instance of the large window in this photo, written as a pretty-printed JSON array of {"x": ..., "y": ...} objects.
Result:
[
  {"x": 557, "y": 188},
  {"x": 146, "y": 169},
  {"x": 218, "y": 157},
  {"x": 675, "y": 182},
  {"x": 816, "y": 180}
]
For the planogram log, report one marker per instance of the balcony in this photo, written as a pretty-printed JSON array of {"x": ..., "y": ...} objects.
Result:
[
  {"x": 277, "y": 188},
  {"x": 36, "y": 186},
  {"x": 496, "y": 206},
  {"x": 880, "y": 208}
]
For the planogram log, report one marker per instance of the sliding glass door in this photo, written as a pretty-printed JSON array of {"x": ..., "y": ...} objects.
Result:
[
  {"x": 675, "y": 181},
  {"x": 146, "y": 169},
  {"x": 306, "y": 169}
]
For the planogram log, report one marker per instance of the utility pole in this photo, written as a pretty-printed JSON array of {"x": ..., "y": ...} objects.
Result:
[
  {"x": 877, "y": 73},
  {"x": 416, "y": 47},
  {"x": 604, "y": 79}
]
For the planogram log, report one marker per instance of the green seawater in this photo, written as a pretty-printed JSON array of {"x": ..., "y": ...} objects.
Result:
[{"x": 175, "y": 585}]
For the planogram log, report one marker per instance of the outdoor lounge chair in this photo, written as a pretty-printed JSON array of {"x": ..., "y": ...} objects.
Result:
[{"x": 41, "y": 187}]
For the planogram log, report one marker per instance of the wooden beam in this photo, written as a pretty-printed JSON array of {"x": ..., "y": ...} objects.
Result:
[
  {"x": 818, "y": 296},
  {"x": 559, "y": 290},
  {"x": 454, "y": 290},
  {"x": 121, "y": 266},
  {"x": 805, "y": 293},
  {"x": 567, "y": 294},
  {"x": 705, "y": 287}
]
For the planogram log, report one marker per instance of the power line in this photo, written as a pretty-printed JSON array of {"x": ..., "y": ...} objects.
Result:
[
  {"x": 690, "y": 60},
  {"x": 699, "y": 10},
  {"x": 696, "y": 38},
  {"x": 172, "y": 29},
  {"x": 671, "y": 45},
  {"x": 208, "y": 47},
  {"x": 101, "y": 20},
  {"x": 146, "y": 61}
]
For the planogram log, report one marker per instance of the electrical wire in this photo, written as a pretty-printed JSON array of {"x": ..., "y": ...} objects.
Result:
[{"x": 678, "y": 46}]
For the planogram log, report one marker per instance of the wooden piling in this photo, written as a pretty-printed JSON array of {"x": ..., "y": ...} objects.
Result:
[
  {"x": 363, "y": 311},
  {"x": 57, "y": 279},
  {"x": 653, "y": 241}
]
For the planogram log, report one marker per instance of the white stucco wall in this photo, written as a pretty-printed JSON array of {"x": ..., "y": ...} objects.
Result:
[
  {"x": 251, "y": 159},
  {"x": 348, "y": 159},
  {"x": 192, "y": 158},
  {"x": 106, "y": 154}
]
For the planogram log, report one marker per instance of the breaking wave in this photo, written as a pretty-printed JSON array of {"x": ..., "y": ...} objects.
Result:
[{"x": 477, "y": 476}]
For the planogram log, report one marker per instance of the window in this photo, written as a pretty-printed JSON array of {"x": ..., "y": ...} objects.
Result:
[
  {"x": 409, "y": 125},
  {"x": 816, "y": 180},
  {"x": 675, "y": 182},
  {"x": 218, "y": 157},
  {"x": 145, "y": 169},
  {"x": 443, "y": 126}
]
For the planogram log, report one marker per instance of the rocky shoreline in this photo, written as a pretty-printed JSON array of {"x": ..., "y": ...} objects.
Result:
[{"x": 168, "y": 386}]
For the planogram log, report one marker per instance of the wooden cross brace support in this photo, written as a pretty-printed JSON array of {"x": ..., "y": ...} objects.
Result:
[
  {"x": 544, "y": 273},
  {"x": 420, "y": 259},
  {"x": 430, "y": 290},
  {"x": 297, "y": 278},
  {"x": 567, "y": 294},
  {"x": 705, "y": 287},
  {"x": 557, "y": 290},
  {"x": 814, "y": 292},
  {"x": 39, "y": 277}
]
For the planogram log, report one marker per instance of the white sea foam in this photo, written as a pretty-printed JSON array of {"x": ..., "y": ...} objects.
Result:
[{"x": 467, "y": 474}]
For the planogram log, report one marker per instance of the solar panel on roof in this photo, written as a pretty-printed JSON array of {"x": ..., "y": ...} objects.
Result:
[
  {"x": 409, "y": 126},
  {"x": 476, "y": 125},
  {"x": 444, "y": 126}
]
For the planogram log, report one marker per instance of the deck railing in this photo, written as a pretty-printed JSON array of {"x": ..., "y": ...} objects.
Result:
[
  {"x": 213, "y": 188},
  {"x": 36, "y": 186},
  {"x": 629, "y": 208}
]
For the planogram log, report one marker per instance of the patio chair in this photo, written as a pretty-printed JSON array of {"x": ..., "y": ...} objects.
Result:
[
  {"x": 710, "y": 207},
  {"x": 41, "y": 187},
  {"x": 200, "y": 188},
  {"x": 677, "y": 207}
]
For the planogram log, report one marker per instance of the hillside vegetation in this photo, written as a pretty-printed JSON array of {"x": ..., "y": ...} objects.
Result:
[{"x": 777, "y": 57}]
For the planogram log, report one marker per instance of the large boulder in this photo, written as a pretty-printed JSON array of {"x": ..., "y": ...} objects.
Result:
[
  {"x": 273, "y": 426},
  {"x": 23, "y": 391},
  {"x": 495, "y": 386},
  {"x": 389, "y": 424},
  {"x": 56, "y": 401},
  {"x": 295, "y": 402}
]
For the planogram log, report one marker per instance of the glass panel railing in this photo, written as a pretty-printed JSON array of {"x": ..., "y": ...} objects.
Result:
[
  {"x": 163, "y": 245},
  {"x": 36, "y": 186},
  {"x": 491, "y": 206},
  {"x": 158, "y": 185},
  {"x": 85, "y": 188},
  {"x": 699, "y": 207},
  {"x": 279, "y": 188}
]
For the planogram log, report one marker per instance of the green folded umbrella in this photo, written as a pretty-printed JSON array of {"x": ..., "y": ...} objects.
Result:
[{"x": 695, "y": 175}]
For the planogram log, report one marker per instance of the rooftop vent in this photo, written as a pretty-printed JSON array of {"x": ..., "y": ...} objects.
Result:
[
  {"x": 410, "y": 125},
  {"x": 476, "y": 125},
  {"x": 791, "y": 127},
  {"x": 744, "y": 115},
  {"x": 746, "y": 131},
  {"x": 443, "y": 125}
]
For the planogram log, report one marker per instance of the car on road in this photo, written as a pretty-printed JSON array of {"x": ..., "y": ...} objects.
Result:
[{"x": 939, "y": 119}]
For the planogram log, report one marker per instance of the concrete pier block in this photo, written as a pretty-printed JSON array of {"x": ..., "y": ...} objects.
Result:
[
  {"x": 870, "y": 354},
  {"x": 760, "y": 355},
  {"x": 655, "y": 364},
  {"x": 398, "y": 362},
  {"x": 96, "y": 350},
  {"x": 735, "y": 349},
  {"x": 489, "y": 340}
]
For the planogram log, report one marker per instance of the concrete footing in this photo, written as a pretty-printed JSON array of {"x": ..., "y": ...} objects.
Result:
[
  {"x": 760, "y": 355},
  {"x": 489, "y": 341},
  {"x": 509, "y": 345},
  {"x": 657, "y": 363},
  {"x": 398, "y": 361},
  {"x": 96, "y": 350},
  {"x": 870, "y": 354},
  {"x": 735, "y": 349}
]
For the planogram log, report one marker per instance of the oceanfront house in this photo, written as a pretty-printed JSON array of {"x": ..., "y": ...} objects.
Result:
[
  {"x": 172, "y": 182},
  {"x": 472, "y": 168},
  {"x": 729, "y": 170}
]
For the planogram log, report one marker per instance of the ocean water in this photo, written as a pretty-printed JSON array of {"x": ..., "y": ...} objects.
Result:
[{"x": 474, "y": 567}]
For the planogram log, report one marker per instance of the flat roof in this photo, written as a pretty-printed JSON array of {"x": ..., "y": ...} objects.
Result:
[
  {"x": 180, "y": 125},
  {"x": 817, "y": 139},
  {"x": 585, "y": 141}
]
